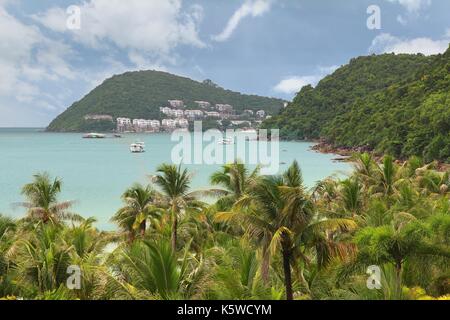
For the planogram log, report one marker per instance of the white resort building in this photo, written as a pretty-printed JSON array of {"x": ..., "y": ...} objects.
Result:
[
  {"x": 165, "y": 110},
  {"x": 224, "y": 108},
  {"x": 137, "y": 125},
  {"x": 176, "y": 103},
  {"x": 123, "y": 122},
  {"x": 182, "y": 123},
  {"x": 155, "y": 123},
  {"x": 98, "y": 117},
  {"x": 212, "y": 114},
  {"x": 177, "y": 113},
  {"x": 169, "y": 123},
  {"x": 193, "y": 113},
  {"x": 261, "y": 113},
  {"x": 203, "y": 104}
]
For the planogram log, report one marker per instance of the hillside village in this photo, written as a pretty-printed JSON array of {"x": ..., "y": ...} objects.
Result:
[{"x": 176, "y": 115}]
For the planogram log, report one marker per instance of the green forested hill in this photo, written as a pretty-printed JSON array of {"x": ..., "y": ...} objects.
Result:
[
  {"x": 141, "y": 94},
  {"x": 397, "y": 104}
]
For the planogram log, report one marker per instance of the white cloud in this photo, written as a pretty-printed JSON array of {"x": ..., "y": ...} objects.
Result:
[
  {"x": 16, "y": 38},
  {"x": 54, "y": 19},
  {"x": 54, "y": 57},
  {"x": 253, "y": 8},
  {"x": 295, "y": 84},
  {"x": 16, "y": 43},
  {"x": 387, "y": 43},
  {"x": 413, "y": 9},
  {"x": 142, "y": 63},
  {"x": 29, "y": 61},
  {"x": 412, "y": 5},
  {"x": 153, "y": 28},
  {"x": 38, "y": 75}
]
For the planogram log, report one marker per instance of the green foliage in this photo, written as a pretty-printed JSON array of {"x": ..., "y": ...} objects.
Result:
[
  {"x": 266, "y": 237},
  {"x": 395, "y": 104},
  {"x": 152, "y": 267},
  {"x": 140, "y": 94},
  {"x": 42, "y": 203},
  {"x": 96, "y": 126},
  {"x": 141, "y": 203}
]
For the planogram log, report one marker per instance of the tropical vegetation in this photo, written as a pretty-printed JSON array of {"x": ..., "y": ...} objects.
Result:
[
  {"x": 395, "y": 104},
  {"x": 139, "y": 95},
  {"x": 262, "y": 237}
]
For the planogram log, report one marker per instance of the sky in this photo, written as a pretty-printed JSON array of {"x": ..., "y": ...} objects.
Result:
[{"x": 52, "y": 53}]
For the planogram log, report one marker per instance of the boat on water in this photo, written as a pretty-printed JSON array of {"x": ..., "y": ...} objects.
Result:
[
  {"x": 94, "y": 136},
  {"x": 226, "y": 141},
  {"x": 117, "y": 136},
  {"x": 137, "y": 147}
]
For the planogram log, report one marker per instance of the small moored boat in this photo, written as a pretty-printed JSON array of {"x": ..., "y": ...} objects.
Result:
[
  {"x": 137, "y": 147},
  {"x": 94, "y": 136}
]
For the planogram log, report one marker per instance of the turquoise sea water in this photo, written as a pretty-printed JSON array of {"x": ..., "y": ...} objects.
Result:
[{"x": 96, "y": 172}]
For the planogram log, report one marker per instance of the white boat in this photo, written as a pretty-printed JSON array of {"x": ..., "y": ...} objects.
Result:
[
  {"x": 227, "y": 141},
  {"x": 137, "y": 147},
  {"x": 94, "y": 136}
]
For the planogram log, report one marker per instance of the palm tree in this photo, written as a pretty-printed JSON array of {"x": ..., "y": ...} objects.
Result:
[
  {"x": 149, "y": 269},
  {"x": 42, "y": 259},
  {"x": 365, "y": 166},
  {"x": 8, "y": 229},
  {"x": 279, "y": 215},
  {"x": 42, "y": 200},
  {"x": 388, "y": 176},
  {"x": 88, "y": 251},
  {"x": 140, "y": 204},
  {"x": 351, "y": 196},
  {"x": 236, "y": 276},
  {"x": 433, "y": 182},
  {"x": 235, "y": 179},
  {"x": 326, "y": 193},
  {"x": 405, "y": 240},
  {"x": 175, "y": 184}
]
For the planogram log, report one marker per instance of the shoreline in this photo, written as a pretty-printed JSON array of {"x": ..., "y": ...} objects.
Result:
[{"x": 345, "y": 154}]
